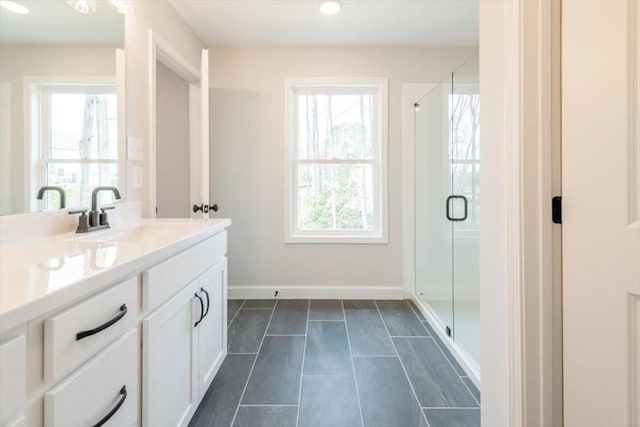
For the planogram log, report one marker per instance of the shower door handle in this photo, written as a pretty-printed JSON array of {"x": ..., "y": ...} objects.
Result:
[{"x": 466, "y": 208}]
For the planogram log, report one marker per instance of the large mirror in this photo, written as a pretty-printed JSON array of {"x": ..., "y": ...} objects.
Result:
[{"x": 61, "y": 103}]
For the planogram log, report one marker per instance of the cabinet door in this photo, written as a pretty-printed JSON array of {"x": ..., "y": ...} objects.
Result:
[
  {"x": 13, "y": 376},
  {"x": 212, "y": 330},
  {"x": 169, "y": 390}
]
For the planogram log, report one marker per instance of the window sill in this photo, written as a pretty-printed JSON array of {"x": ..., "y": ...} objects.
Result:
[{"x": 352, "y": 240}]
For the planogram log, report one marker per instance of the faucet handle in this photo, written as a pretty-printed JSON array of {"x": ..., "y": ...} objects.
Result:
[
  {"x": 83, "y": 221},
  {"x": 104, "y": 220}
]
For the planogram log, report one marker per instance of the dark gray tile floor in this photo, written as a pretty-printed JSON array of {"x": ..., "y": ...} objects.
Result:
[{"x": 332, "y": 363}]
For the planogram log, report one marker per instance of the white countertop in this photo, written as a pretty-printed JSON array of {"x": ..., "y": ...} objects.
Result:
[{"x": 41, "y": 275}]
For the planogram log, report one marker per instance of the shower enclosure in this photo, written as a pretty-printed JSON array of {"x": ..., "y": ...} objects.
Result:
[{"x": 447, "y": 209}]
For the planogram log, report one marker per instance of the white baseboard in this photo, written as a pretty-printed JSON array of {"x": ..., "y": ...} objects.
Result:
[{"x": 316, "y": 292}]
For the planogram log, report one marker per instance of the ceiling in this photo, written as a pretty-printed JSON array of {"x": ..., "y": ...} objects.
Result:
[
  {"x": 55, "y": 22},
  {"x": 360, "y": 23}
]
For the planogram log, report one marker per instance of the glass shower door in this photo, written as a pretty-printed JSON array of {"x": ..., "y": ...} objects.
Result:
[
  {"x": 433, "y": 233},
  {"x": 464, "y": 107}
]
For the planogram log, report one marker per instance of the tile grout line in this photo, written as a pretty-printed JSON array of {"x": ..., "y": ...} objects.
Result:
[
  {"x": 362, "y": 356},
  {"x": 304, "y": 354},
  {"x": 415, "y": 310},
  {"x": 269, "y": 405},
  {"x": 451, "y": 407},
  {"x": 353, "y": 368},
  {"x": 436, "y": 341},
  {"x": 254, "y": 364},
  {"x": 422, "y": 414},
  {"x": 285, "y": 335},
  {"x": 327, "y": 375},
  {"x": 237, "y": 312},
  {"x": 410, "y": 336},
  {"x": 470, "y": 392},
  {"x": 462, "y": 377}
]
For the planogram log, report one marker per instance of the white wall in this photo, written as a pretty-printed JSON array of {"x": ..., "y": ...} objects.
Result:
[
  {"x": 247, "y": 119},
  {"x": 18, "y": 61},
  {"x": 172, "y": 144},
  {"x": 160, "y": 17}
]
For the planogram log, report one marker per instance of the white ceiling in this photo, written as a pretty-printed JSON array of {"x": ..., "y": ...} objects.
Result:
[
  {"x": 360, "y": 23},
  {"x": 55, "y": 22}
]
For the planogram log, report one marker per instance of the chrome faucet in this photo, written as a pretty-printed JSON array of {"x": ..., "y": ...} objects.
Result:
[
  {"x": 63, "y": 199},
  {"x": 95, "y": 220}
]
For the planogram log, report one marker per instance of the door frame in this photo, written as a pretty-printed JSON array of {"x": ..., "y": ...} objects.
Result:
[
  {"x": 519, "y": 245},
  {"x": 520, "y": 248},
  {"x": 160, "y": 50}
]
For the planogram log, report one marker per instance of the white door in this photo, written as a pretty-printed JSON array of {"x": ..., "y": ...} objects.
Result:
[
  {"x": 200, "y": 141},
  {"x": 169, "y": 392},
  {"x": 601, "y": 224},
  {"x": 212, "y": 330}
]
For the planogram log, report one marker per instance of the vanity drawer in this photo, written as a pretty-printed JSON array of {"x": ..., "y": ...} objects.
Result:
[
  {"x": 159, "y": 283},
  {"x": 108, "y": 384},
  {"x": 73, "y": 336},
  {"x": 13, "y": 376}
]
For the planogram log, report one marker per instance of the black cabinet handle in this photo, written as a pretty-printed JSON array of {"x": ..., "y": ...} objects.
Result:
[
  {"x": 112, "y": 412},
  {"x": 214, "y": 207},
  {"x": 207, "y": 295},
  {"x": 201, "y": 310},
  {"x": 88, "y": 333},
  {"x": 448, "y": 203}
]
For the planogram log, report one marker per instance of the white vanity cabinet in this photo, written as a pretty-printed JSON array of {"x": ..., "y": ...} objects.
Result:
[
  {"x": 103, "y": 391},
  {"x": 13, "y": 376},
  {"x": 184, "y": 341},
  {"x": 169, "y": 394},
  {"x": 211, "y": 337},
  {"x": 139, "y": 350}
]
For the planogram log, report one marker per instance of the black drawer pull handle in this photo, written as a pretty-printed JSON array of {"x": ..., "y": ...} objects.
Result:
[
  {"x": 112, "y": 412},
  {"x": 207, "y": 295},
  {"x": 88, "y": 333},
  {"x": 201, "y": 310}
]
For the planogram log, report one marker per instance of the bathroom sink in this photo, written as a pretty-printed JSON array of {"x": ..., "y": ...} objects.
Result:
[{"x": 140, "y": 233}]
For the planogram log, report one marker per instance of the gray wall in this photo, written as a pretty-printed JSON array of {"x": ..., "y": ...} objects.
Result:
[{"x": 172, "y": 144}]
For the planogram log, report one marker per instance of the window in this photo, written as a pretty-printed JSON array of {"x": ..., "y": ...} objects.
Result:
[
  {"x": 74, "y": 141},
  {"x": 336, "y": 161}
]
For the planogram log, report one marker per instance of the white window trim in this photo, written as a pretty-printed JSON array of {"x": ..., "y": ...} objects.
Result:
[{"x": 379, "y": 236}]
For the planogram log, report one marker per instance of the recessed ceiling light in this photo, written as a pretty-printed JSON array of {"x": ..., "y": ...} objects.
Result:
[
  {"x": 122, "y": 6},
  {"x": 14, "y": 7},
  {"x": 86, "y": 7},
  {"x": 330, "y": 7}
]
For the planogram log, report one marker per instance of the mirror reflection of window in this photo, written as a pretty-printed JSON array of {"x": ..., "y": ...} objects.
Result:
[
  {"x": 77, "y": 140},
  {"x": 60, "y": 118}
]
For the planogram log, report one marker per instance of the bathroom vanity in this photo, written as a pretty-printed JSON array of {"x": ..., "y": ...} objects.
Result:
[{"x": 119, "y": 327}]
